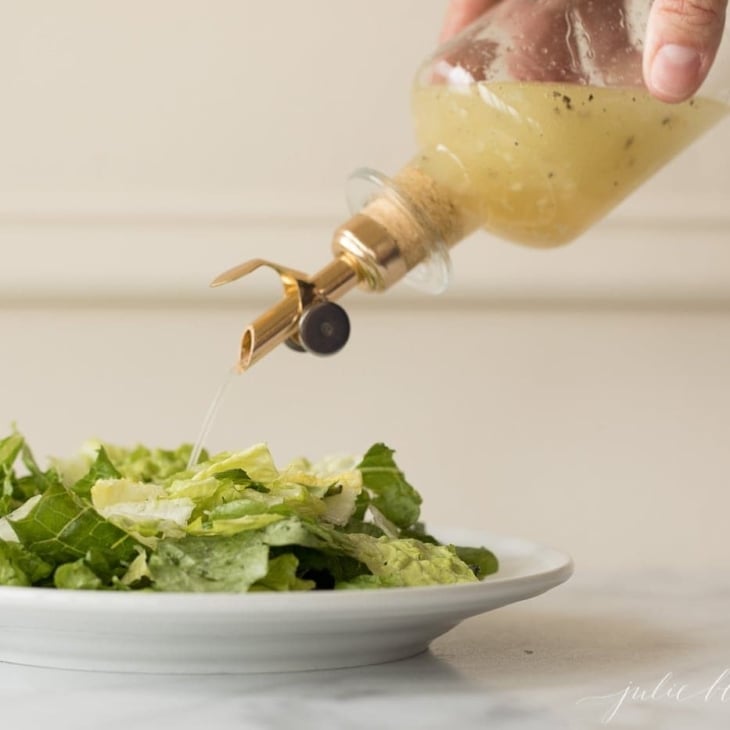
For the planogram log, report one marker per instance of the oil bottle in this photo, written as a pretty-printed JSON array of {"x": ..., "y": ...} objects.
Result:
[{"x": 532, "y": 124}]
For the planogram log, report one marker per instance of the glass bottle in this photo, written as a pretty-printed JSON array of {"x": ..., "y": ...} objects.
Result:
[{"x": 533, "y": 123}]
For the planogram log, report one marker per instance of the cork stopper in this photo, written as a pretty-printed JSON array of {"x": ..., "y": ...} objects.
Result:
[
  {"x": 434, "y": 202},
  {"x": 418, "y": 214},
  {"x": 402, "y": 228}
]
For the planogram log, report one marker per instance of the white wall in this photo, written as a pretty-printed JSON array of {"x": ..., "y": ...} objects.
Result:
[{"x": 577, "y": 396}]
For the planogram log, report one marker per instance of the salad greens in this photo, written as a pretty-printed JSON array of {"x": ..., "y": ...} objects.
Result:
[{"x": 113, "y": 518}]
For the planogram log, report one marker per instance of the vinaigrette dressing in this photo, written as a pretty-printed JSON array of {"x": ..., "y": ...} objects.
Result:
[
  {"x": 539, "y": 163},
  {"x": 210, "y": 417}
]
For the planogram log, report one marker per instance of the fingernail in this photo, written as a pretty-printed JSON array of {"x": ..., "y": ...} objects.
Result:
[{"x": 675, "y": 71}]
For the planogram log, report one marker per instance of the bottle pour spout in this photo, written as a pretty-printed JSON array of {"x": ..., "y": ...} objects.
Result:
[
  {"x": 378, "y": 246},
  {"x": 306, "y": 317}
]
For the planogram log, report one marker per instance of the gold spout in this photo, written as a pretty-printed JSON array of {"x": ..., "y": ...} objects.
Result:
[
  {"x": 289, "y": 277},
  {"x": 272, "y": 328},
  {"x": 301, "y": 292}
]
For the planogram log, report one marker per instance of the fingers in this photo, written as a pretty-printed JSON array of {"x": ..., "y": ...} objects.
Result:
[
  {"x": 681, "y": 43},
  {"x": 461, "y": 13}
]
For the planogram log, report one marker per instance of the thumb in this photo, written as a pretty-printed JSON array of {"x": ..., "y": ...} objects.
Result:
[{"x": 682, "y": 39}]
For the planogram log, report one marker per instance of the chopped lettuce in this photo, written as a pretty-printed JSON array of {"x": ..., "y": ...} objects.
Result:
[
  {"x": 210, "y": 564},
  {"x": 392, "y": 495},
  {"x": 61, "y": 528},
  {"x": 15, "y": 489},
  {"x": 143, "y": 510},
  {"x": 21, "y": 567},
  {"x": 76, "y": 575},
  {"x": 282, "y": 576},
  {"x": 408, "y": 562},
  {"x": 145, "y": 465},
  {"x": 481, "y": 561},
  {"x": 138, "y": 572},
  {"x": 100, "y": 468},
  {"x": 113, "y": 518},
  {"x": 10, "y": 447}
]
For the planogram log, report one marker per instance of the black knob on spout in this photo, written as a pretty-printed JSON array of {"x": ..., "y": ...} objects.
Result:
[{"x": 324, "y": 329}]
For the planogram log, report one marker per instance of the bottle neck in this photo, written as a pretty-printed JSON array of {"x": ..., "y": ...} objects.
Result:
[{"x": 403, "y": 229}]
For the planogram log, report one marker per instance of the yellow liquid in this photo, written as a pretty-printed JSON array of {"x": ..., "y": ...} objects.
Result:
[
  {"x": 210, "y": 417},
  {"x": 538, "y": 163}
]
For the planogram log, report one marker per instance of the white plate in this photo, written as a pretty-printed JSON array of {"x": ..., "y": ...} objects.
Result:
[{"x": 262, "y": 632}]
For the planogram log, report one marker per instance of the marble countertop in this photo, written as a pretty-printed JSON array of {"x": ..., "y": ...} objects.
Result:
[{"x": 647, "y": 650}]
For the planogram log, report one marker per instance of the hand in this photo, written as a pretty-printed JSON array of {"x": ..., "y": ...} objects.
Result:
[{"x": 681, "y": 42}]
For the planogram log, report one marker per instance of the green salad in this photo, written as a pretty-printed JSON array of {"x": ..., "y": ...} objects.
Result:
[{"x": 114, "y": 518}]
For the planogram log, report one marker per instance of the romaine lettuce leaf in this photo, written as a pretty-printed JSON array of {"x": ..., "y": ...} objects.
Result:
[
  {"x": 138, "y": 572},
  {"x": 209, "y": 564},
  {"x": 233, "y": 525},
  {"x": 481, "y": 561},
  {"x": 407, "y": 562},
  {"x": 335, "y": 481},
  {"x": 19, "y": 567},
  {"x": 398, "y": 501},
  {"x": 324, "y": 553},
  {"x": 326, "y": 569},
  {"x": 14, "y": 489},
  {"x": 77, "y": 575},
  {"x": 101, "y": 468},
  {"x": 142, "y": 509},
  {"x": 10, "y": 447},
  {"x": 361, "y": 582},
  {"x": 36, "y": 481},
  {"x": 396, "y": 562},
  {"x": 6, "y": 531},
  {"x": 140, "y": 464},
  {"x": 282, "y": 576},
  {"x": 296, "y": 531},
  {"x": 256, "y": 463},
  {"x": 61, "y": 528}
]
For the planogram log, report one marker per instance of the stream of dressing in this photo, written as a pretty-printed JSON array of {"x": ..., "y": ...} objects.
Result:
[{"x": 211, "y": 415}]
